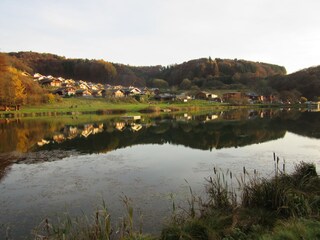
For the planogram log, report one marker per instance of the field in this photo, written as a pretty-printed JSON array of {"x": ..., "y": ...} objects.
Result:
[{"x": 74, "y": 106}]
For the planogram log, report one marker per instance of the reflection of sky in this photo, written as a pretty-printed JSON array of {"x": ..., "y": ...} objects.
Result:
[{"x": 146, "y": 173}]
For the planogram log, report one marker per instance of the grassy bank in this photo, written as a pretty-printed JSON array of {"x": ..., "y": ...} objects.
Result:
[
  {"x": 77, "y": 106},
  {"x": 286, "y": 206}
]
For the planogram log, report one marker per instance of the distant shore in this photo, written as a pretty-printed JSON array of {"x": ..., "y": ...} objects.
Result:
[{"x": 79, "y": 106}]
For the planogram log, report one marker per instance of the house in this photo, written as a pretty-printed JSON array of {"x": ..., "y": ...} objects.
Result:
[
  {"x": 165, "y": 97},
  {"x": 205, "y": 95},
  {"x": 69, "y": 91},
  {"x": 56, "y": 82},
  {"x": 269, "y": 98},
  {"x": 84, "y": 86},
  {"x": 147, "y": 92},
  {"x": 65, "y": 91},
  {"x": 50, "y": 82},
  {"x": 233, "y": 96},
  {"x": 183, "y": 97},
  {"x": 134, "y": 90},
  {"x": 45, "y": 82},
  {"x": 118, "y": 93},
  {"x": 254, "y": 97},
  {"x": 131, "y": 91},
  {"x": 37, "y": 75},
  {"x": 59, "y": 91},
  {"x": 83, "y": 93},
  {"x": 97, "y": 93}
]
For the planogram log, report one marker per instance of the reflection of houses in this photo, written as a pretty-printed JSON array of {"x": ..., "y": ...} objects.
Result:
[
  {"x": 87, "y": 131},
  {"x": 98, "y": 129},
  {"x": 120, "y": 126},
  {"x": 70, "y": 132},
  {"x": 43, "y": 142},
  {"x": 59, "y": 138},
  {"x": 187, "y": 116},
  {"x": 136, "y": 127},
  {"x": 136, "y": 117},
  {"x": 313, "y": 106},
  {"x": 212, "y": 117}
]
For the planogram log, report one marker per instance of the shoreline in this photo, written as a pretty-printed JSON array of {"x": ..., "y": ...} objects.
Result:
[{"x": 75, "y": 107}]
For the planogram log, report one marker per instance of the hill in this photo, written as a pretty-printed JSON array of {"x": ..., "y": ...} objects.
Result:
[
  {"x": 305, "y": 82},
  {"x": 203, "y": 73}
]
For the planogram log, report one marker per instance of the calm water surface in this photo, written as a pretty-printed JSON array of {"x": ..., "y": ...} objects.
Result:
[{"x": 48, "y": 167}]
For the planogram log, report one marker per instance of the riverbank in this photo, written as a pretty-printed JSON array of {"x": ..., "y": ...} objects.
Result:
[
  {"x": 79, "y": 106},
  {"x": 283, "y": 207}
]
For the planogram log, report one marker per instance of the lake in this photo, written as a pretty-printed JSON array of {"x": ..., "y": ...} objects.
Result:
[{"x": 72, "y": 164}]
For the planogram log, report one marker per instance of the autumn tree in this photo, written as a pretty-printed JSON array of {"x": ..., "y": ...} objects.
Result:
[{"x": 3, "y": 63}]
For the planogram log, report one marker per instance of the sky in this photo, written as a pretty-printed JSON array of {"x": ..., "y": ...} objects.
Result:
[{"x": 164, "y": 32}]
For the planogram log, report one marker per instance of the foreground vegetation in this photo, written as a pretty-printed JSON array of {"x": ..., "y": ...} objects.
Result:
[{"x": 284, "y": 207}]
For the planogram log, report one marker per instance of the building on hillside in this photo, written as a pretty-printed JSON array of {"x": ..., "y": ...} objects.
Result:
[
  {"x": 233, "y": 96},
  {"x": 165, "y": 97},
  {"x": 205, "y": 95},
  {"x": 118, "y": 93},
  {"x": 97, "y": 93},
  {"x": 83, "y": 93}
]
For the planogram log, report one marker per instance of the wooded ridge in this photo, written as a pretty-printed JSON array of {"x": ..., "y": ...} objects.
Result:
[{"x": 203, "y": 73}]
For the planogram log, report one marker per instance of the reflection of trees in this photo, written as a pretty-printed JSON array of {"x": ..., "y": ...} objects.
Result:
[
  {"x": 195, "y": 134},
  {"x": 21, "y": 136}
]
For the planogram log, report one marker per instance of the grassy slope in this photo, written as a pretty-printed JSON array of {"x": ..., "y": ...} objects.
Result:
[{"x": 83, "y": 105}]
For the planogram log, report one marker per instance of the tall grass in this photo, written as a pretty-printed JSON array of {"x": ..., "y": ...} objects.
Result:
[
  {"x": 96, "y": 227},
  {"x": 252, "y": 207},
  {"x": 285, "y": 206}
]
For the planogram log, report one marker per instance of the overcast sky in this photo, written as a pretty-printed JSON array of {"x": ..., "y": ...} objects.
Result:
[{"x": 152, "y": 32}]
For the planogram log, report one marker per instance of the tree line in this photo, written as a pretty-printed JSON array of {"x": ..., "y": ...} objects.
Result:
[{"x": 204, "y": 73}]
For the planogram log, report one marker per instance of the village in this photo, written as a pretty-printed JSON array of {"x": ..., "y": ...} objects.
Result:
[{"x": 80, "y": 88}]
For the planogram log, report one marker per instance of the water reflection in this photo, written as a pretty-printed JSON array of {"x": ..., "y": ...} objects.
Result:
[
  {"x": 164, "y": 151},
  {"x": 206, "y": 132},
  {"x": 219, "y": 130}
]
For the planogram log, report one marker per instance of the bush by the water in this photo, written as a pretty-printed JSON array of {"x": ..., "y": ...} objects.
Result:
[{"x": 265, "y": 209}]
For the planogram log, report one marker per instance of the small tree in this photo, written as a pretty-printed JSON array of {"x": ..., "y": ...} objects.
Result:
[
  {"x": 160, "y": 83},
  {"x": 185, "y": 84}
]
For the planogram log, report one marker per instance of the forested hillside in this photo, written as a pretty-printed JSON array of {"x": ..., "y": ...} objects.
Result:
[
  {"x": 305, "y": 82},
  {"x": 203, "y": 73}
]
